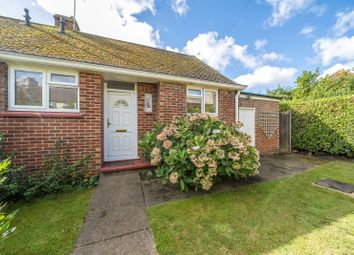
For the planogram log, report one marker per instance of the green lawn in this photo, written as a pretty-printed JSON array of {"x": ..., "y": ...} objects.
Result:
[
  {"x": 287, "y": 216},
  {"x": 48, "y": 225}
]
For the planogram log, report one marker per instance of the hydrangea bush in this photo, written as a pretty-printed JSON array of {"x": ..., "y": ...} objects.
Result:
[{"x": 196, "y": 150}]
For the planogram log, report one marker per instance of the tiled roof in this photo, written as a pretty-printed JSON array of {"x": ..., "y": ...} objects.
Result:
[{"x": 46, "y": 41}]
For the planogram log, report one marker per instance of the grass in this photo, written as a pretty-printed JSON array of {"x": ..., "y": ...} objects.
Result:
[
  {"x": 286, "y": 216},
  {"x": 48, "y": 225}
]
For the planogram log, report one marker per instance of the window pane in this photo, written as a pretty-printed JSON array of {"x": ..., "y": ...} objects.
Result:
[
  {"x": 120, "y": 85},
  {"x": 210, "y": 101},
  {"x": 28, "y": 88},
  {"x": 63, "y": 78},
  {"x": 194, "y": 105},
  {"x": 63, "y": 98},
  {"x": 194, "y": 92}
]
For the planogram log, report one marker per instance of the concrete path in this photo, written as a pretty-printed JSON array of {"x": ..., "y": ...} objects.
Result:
[
  {"x": 117, "y": 221},
  {"x": 272, "y": 167}
]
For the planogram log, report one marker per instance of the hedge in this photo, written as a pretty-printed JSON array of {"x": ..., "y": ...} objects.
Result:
[{"x": 323, "y": 125}]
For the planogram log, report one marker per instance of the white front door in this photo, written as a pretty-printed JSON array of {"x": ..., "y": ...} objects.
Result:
[
  {"x": 248, "y": 117},
  {"x": 120, "y": 126}
]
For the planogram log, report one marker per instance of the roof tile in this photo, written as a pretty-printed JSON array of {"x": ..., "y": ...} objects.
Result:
[{"x": 46, "y": 41}]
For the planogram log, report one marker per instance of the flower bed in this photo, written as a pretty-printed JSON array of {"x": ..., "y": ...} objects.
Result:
[{"x": 196, "y": 150}]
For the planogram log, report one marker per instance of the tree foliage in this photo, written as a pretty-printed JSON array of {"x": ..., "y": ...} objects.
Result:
[{"x": 310, "y": 85}]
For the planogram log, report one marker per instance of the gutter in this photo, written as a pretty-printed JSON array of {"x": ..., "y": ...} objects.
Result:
[
  {"x": 265, "y": 98},
  {"x": 10, "y": 56}
]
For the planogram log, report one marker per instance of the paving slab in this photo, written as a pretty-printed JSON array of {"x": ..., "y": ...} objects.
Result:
[
  {"x": 106, "y": 223},
  {"x": 336, "y": 185},
  {"x": 137, "y": 243},
  {"x": 116, "y": 222}
]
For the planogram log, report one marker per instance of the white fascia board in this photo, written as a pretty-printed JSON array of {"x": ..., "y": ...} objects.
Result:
[
  {"x": 10, "y": 56},
  {"x": 259, "y": 98}
]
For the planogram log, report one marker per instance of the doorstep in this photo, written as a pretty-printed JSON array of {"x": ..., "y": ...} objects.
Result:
[{"x": 124, "y": 165}]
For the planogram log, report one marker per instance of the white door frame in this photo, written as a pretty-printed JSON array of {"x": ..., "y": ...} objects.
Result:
[
  {"x": 255, "y": 131},
  {"x": 135, "y": 110}
]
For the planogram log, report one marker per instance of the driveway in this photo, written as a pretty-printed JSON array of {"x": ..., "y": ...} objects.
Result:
[{"x": 117, "y": 222}]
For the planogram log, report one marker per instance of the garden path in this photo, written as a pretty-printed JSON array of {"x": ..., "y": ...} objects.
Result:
[{"x": 117, "y": 222}]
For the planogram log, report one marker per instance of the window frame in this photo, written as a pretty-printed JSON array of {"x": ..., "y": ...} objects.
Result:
[
  {"x": 46, "y": 84},
  {"x": 195, "y": 96},
  {"x": 202, "y": 96}
]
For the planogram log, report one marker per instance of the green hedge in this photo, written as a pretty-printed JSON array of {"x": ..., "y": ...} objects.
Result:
[{"x": 323, "y": 125}]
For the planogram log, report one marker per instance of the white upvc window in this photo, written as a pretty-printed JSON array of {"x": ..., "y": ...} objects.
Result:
[
  {"x": 202, "y": 100},
  {"x": 35, "y": 89}
]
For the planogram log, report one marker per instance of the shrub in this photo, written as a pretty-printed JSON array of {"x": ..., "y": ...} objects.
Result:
[
  {"x": 323, "y": 125},
  {"x": 196, "y": 150},
  {"x": 56, "y": 175},
  {"x": 5, "y": 219}
]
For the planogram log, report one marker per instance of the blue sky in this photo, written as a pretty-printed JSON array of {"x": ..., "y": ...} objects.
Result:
[{"x": 260, "y": 43}]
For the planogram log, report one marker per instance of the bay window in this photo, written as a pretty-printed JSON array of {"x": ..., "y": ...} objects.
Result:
[
  {"x": 200, "y": 100},
  {"x": 42, "y": 90}
]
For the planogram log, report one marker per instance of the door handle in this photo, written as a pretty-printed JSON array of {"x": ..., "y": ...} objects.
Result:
[{"x": 108, "y": 123}]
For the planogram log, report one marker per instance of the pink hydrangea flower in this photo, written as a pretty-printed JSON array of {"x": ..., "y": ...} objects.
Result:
[{"x": 167, "y": 144}]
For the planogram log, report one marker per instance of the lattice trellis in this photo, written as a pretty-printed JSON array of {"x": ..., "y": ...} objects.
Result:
[{"x": 268, "y": 122}]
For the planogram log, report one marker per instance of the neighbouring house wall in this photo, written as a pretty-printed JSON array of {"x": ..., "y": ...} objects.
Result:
[
  {"x": 31, "y": 139},
  {"x": 227, "y": 105},
  {"x": 263, "y": 144}
]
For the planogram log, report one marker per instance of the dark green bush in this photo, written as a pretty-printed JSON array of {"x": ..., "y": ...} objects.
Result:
[
  {"x": 323, "y": 125},
  {"x": 5, "y": 219},
  {"x": 56, "y": 175}
]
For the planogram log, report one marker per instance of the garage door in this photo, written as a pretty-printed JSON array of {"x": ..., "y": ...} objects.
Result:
[{"x": 248, "y": 117}]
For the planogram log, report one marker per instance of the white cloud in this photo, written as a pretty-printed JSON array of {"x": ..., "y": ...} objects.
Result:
[
  {"x": 340, "y": 49},
  {"x": 268, "y": 75},
  {"x": 219, "y": 52},
  {"x": 180, "y": 7},
  {"x": 260, "y": 43},
  {"x": 318, "y": 10},
  {"x": 337, "y": 67},
  {"x": 306, "y": 30},
  {"x": 172, "y": 49},
  {"x": 272, "y": 56},
  {"x": 282, "y": 10},
  {"x": 210, "y": 49},
  {"x": 344, "y": 23},
  {"x": 110, "y": 18}
]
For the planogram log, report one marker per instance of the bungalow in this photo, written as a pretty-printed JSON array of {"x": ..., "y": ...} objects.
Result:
[{"x": 100, "y": 95}]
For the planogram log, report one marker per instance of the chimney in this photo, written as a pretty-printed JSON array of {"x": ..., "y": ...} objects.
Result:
[
  {"x": 62, "y": 25},
  {"x": 69, "y": 22},
  {"x": 27, "y": 17}
]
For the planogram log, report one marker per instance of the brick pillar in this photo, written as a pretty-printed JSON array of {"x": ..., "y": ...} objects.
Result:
[
  {"x": 171, "y": 101},
  {"x": 227, "y": 105},
  {"x": 3, "y": 86}
]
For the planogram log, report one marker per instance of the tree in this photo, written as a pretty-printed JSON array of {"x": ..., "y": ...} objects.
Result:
[
  {"x": 306, "y": 83},
  {"x": 283, "y": 93}
]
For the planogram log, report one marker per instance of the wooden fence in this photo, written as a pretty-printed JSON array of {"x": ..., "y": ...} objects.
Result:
[{"x": 285, "y": 132}]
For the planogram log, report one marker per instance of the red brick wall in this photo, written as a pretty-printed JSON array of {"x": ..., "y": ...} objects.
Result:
[
  {"x": 146, "y": 120},
  {"x": 227, "y": 105},
  {"x": 171, "y": 101},
  {"x": 3, "y": 86},
  {"x": 263, "y": 144},
  {"x": 31, "y": 139}
]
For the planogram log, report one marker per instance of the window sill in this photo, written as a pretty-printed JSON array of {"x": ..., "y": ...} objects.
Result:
[{"x": 66, "y": 115}]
